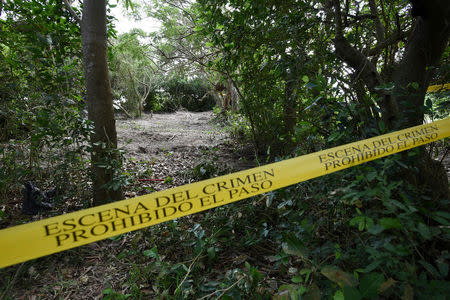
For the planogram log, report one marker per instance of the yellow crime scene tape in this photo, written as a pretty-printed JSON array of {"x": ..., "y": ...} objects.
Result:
[
  {"x": 438, "y": 88},
  {"x": 28, "y": 241}
]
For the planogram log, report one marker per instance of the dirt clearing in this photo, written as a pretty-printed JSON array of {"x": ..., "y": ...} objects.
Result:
[{"x": 170, "y": 147}]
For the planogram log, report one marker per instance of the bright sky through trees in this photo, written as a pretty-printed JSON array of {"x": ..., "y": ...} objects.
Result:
[{"x": 125, "y": 23}]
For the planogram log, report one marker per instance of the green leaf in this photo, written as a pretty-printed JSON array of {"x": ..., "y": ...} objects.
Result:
[
  {"x": 424, "y": 231},
  {"x": 430, "y": 268},
  {"x": 376, "y": 229},
  {"x": 389, "y": 223},
  {"x": 442, "y": 266},
  {"x": 442, "y": 217},
  {"x": 351, "y": 293},
  {"x": 443, "y": 214},
  {"x": 306, "y": 272},
  {"x": 372, "y": 266},
  {"x": 115, "y": 238},
  {"x": 247, "y": 265},
  {"x": 339, "y": 295},
  {"x": 362, "y": 222},
  {"x": 338, "y": 276},
  {"x": 382, "y": 126},
  {"x": 153, "y": 253},
  {"x": 297, "y": 279},
  {"x": 305, "y": 79},
  {"x": 211, "y": 252},
  {"x": 369, "y": 285},
  {"x": 108, "y": 291},
  {"x": 294, "y": 246},
  {"x": 371, "y": 176}
]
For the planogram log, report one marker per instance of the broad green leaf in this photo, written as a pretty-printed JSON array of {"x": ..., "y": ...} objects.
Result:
[
  {"x": 351, "y": 293},
  {"x": 430, "y": 268},
  {"x": 375, "y": 229},
  {"x": 371, "y": 176},
  {"x": 443, "y": 214},
  {"x": 362, "y": 222},
  {"x": 424, "y": 231},
  {"x": 339, "y": 295},
  {"x": 369, "y": 284},
  {"x": 211, "y": 252},
  {"x": 294, "y": 246},
  {"x": 372, "y": 266},
  {"x": 389, "y": 223},
  {"x": 443, "y": 267}
]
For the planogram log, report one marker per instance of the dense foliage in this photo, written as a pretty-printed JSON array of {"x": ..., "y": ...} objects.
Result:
[
  {"x": 43, "y": 131},
  {"x": 285, "y": 76},
  {"x": 140, "y": 84}
]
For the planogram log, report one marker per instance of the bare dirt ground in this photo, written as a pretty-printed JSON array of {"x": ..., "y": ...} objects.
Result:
[{"x": 167, "y": 147}]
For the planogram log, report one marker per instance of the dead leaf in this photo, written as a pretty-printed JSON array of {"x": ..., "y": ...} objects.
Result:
[
  {"x": 386, "y": 285},
  {"x": 408, "y": 294},
  {"x": 338, "y": 276}
]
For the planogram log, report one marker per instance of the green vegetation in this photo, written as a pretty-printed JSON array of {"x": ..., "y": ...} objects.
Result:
[
  {"x": 285, "y": 78},
  {"x": 42, "y": 131}
]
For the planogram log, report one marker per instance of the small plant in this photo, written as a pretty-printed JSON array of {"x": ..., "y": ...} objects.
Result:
[{"x": 110, "y": 294}]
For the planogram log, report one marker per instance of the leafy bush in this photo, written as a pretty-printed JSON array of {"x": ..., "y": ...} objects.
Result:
[
  {"x": 176, "y": 92},
  {"x": 43, "y": 131}
]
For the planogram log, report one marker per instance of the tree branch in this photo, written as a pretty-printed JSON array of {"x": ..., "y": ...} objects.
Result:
[
  {"x": 379, "y": 28},
  {"x": 354, "y": 58},
  {"x": 398, "y": 36},
  {"x": 72, "y": 12}
]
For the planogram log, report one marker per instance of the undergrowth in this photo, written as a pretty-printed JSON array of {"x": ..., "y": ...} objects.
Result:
[{"x": 356, "y": 234}]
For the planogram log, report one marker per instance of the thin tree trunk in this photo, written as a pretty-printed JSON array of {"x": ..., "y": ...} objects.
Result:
[
  {"x": 289, "y": 107},
  {"x": 100, "y": 104}
]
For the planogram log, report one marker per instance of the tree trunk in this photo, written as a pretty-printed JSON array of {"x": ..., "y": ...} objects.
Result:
[
  {"x": 404, "y": 107},
  {"x": 100, "y": 105},
  {"x": 423, "y": 52},
  {"x": 412, "y": 77}
]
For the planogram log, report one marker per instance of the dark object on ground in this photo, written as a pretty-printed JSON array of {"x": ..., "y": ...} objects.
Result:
[{"x": 34, "y": 200}]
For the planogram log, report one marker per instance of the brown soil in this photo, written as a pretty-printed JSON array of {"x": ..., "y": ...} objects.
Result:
[{"x": 169, "y": 146}]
